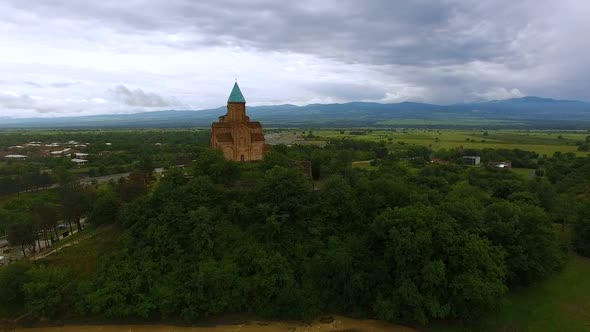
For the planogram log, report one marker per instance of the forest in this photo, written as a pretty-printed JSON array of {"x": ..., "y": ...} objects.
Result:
[{"x": 303, "y": 233}]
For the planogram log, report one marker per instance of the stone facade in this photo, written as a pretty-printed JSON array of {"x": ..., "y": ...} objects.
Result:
[{"x": 235, "y": 135}]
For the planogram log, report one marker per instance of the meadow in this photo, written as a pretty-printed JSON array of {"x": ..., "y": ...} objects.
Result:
[{"x": 543, "y": 142}]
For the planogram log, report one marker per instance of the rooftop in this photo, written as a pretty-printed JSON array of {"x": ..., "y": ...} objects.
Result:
[{"x": 236, "y": 95}]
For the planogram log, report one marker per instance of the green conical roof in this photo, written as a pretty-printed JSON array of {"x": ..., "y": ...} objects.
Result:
[{"x": 236, "y": 95}]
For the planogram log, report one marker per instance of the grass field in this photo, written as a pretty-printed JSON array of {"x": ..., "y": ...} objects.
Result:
[
  {"x": 82, "y": 256},
  {"x": 543, "y": 142},
  {"x": 560, "y": 303}
]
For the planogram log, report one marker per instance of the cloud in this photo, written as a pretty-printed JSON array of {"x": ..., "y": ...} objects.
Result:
[
  {"x": 11, "y": 100},
  {"x": 68, "y": 52},
  {"x": 349, "y": 91},
  {"x": 138, "y": 97},
  {"x": 499, "y": 94},
  {"x": 37, "y": 85},
  {"x": 22, "y": 102},
  {"x": 63, "y": 84}
]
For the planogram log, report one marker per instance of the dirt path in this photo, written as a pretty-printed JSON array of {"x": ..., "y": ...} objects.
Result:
[{"x": 339, "y": 324}]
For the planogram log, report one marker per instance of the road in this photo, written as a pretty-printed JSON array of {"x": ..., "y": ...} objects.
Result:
[
  {"x": 84, "y": 181},
  {"x": 104, "y": 178}
]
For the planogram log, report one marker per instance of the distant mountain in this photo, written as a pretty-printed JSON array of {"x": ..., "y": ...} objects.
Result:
[{"x": 517, "y": 112}]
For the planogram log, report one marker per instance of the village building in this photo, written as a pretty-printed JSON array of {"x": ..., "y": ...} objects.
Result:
[
  {"x": 60, "y": 152},
  {"x": 15, "y": 157},
  {"x": 235, "y": 135},
  {"x": 79, "y": 162},
  {"x": 472, "y": 160}
]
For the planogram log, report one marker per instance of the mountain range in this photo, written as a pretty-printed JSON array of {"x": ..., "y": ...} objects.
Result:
[{"x": 528, "y": 112}]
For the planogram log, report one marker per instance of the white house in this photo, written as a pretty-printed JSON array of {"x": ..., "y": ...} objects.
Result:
[
  {"x": 79, "y": 162},
  {"x": 15, "y": 157}
]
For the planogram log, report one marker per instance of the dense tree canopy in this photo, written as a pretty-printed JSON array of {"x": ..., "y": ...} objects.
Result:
[{"x": 407, "y": 240}]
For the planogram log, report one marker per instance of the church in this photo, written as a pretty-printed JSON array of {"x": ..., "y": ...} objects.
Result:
[{"x": 235, "y": 135}]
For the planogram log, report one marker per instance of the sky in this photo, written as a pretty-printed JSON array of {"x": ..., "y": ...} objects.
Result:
[{"x": 70, "y": 57}]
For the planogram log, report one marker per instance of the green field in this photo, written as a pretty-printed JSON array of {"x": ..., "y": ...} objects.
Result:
[
  {"x": 560, "y": 303},
  {"x": 82, "y": 254},
  {"x": 543, "y": 142}
]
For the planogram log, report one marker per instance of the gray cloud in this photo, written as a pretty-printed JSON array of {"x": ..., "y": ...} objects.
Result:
[
  {"x": 63, "y": 84},
  {"x": 16, "y": 101},
  {"x": 138, "y": 97},
  {"x": 22, "y": 102},
  {"x": 37, "y": 85},
  {"x": 349, "y": 91},
  {"x": 375, "y": 31},
  {"x": 331, "y": 50}
]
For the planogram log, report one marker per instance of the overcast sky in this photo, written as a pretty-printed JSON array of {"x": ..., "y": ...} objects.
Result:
[{"x": 70, "y": 57}]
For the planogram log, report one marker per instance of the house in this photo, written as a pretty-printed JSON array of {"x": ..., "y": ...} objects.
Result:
[
  {"x": 81, "y": 155},
  {"x": 15, "y": 157},
  {"x": 471, "y": 160},
  {"x": 64, "y": 151},
  {"x": 79, "y": 162}
]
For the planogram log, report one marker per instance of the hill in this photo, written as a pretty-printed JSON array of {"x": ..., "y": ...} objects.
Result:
[{"x": 519, "y": 112}]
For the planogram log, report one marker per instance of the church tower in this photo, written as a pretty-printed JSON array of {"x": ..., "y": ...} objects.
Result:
[{"x": 235, "y": 135}]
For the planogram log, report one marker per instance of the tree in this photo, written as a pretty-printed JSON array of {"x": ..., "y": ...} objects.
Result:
[
  {"x": 134, "y": 186},
  {"x": 73, "y": 201},
  {"x": 22, "y": 233},
  {"x": 105, "y": 208},
  {"x": 433, "y": 269},
  {"x": 581, "y": 234},
  {"x": 212, "y": 163},
  {"x": 46, "y": 291},
  {"x": 12, "y": 279},
  {"x": 46, "y": 215},
  {"x": 526, "y": 233},
  {"x": 285, "y": 188}
]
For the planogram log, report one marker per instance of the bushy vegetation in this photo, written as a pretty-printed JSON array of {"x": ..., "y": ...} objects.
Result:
[{"x": 405, "y": 241}]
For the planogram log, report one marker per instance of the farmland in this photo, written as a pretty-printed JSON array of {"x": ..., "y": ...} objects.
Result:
[{"x": 543, "y": 142}]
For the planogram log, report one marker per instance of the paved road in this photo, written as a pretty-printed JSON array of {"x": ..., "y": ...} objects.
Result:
[
  {"x": 85, "y": 181},
  {"x": 105, "y": 178},
  {"x": 98, "y": 179}
]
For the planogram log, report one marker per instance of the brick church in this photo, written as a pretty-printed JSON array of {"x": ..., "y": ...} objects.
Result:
[{"x": 235, "y": 135}]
